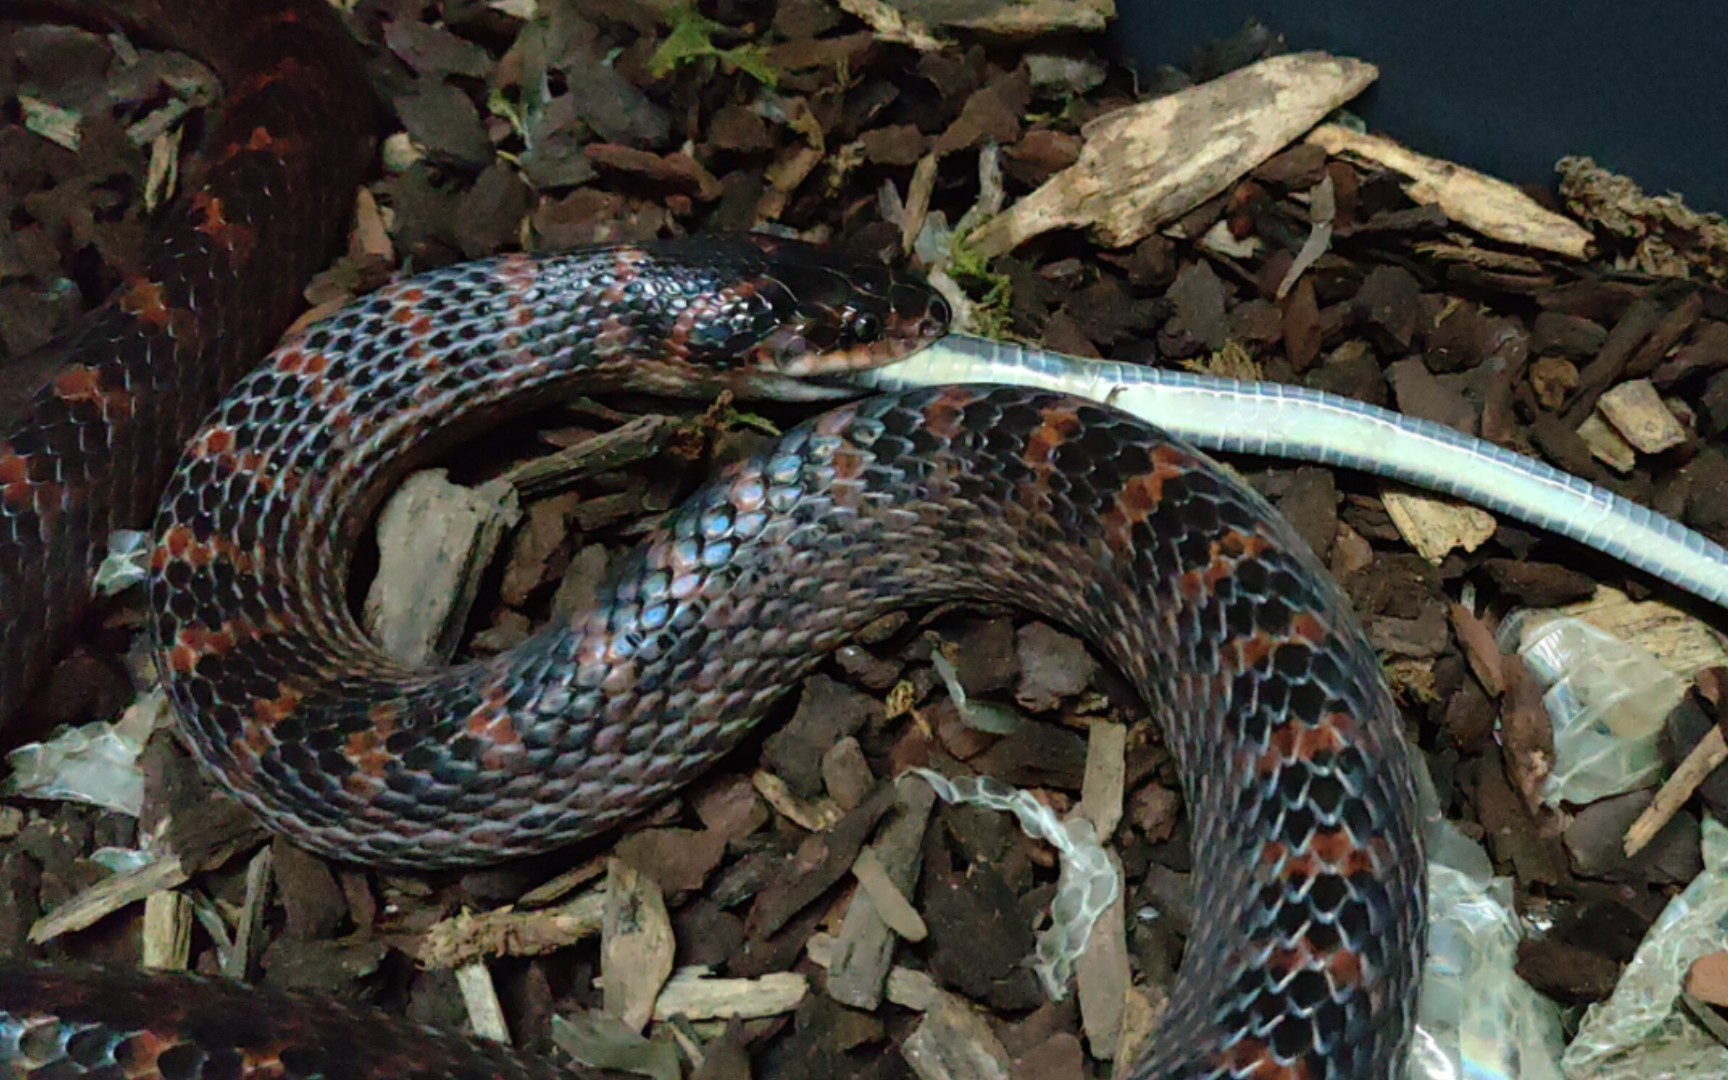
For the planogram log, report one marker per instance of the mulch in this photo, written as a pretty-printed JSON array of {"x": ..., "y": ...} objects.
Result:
[{"x": 618, "y": 124}]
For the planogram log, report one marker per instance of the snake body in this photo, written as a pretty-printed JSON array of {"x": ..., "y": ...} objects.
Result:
[
  {"x": 92, "y": 424},
  {"x": 1309, "y": 870},
  {"x": 1281, "y": 725}
]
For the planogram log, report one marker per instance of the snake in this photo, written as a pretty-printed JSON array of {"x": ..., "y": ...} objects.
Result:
[
  {"x": 259, "y": 468},
  {"x": 1296, "y": 423},
  {"x": 1182, "y": 576}
]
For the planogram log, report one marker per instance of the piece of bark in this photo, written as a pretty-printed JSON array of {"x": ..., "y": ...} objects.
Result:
[
  {"x": 1606, "y": 369},
  {"x": 864, "y": 951},
  {"x": 1435, "y": 526},
  {"x": 636, "y": 944},
  {"x": 433, "y": 538},
  {"x": 953, "y": 1042},
  {"x": 1607, "y": 445},
  {"x": 1146, "y": 165},
  {"x": 1102, "y": 977},
  {"x": 1638, "y": 412},
  {"x": 1490, "y": 206}
]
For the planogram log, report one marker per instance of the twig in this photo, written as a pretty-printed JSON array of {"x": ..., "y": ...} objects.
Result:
[{"x": 1711, "y": 751}]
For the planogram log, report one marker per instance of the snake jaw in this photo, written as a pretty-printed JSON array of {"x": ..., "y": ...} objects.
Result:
[
  {"x": 789, "y": 351},
  {"x": 869, "y": 331}
]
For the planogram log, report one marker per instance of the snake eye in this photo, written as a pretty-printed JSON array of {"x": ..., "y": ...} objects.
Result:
[{"x": 866, "y": 327}]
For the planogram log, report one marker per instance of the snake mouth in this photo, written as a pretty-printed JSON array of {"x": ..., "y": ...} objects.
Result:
[
  {"x": 791, "y": 370},
  {"x": 771, "y": 386},
  {"x": 803, "y": 352}
]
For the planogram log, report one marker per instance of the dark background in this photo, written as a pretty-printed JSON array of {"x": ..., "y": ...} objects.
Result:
[{"x": 1505, "y": 86}]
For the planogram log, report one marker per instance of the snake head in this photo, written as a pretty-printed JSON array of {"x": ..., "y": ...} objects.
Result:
[
  {"x": 787, "y": 316},
  {"x": 835, "y": 314}
]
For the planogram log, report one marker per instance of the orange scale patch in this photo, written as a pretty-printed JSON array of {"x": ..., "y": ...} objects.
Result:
[
  {"x": 361, "y": 786},
  {"x": 1305, "y": 868},
  {"x": 1228, "y": 550},
  {"x": 20, "y": 496},
  {"x": 683, "y": 328},
  {"x": 626, "y": 269},
  {"x": 1306, "y": 627},
  {"x": 1059, "y": 424},
  {"x": 233, "y": 237},
  {"x": 285, "y": 70},
  {"x": 1252, "y": 1059},
  {"x": 1139, "y": 498},
  {"x": 263, "y": 1065},
  {"x": 176, "y": 541},
  {"x": 242, "y": 561},
  {"x": 516, "y": 271},
  {"x": 491, "y": 720},
  {"x": 146, "y": 300},
  {"x": 82, "y": 385},
  {"x": 1286, "y": 962},
  {"x": 268, "y": 712},
  {"x": 1242, "y": 653},
  {"x": 1192, "y": 584},
  {"x": 616, "y": 336},
  {"x": 1236, "y": 544},
  {"x": 942, "y": 416},
  {"x": 1295, "y": 741},
  {"x": 493, "y": 723},
  {"x": 138, "y": 1055},
  {"x": 259, "y": 140},
  {"x": 255, "y": 464},
  {"x": 16, "y": 487},
  {"x": 366, "y": 752},
  {"x": 849, "y": 464},
  {"x": 1335, "y": 848},
  {"x": 194, "y": 643},
  {"x": 1346, "y": 968},
  {"x": 214, "y": 442}
]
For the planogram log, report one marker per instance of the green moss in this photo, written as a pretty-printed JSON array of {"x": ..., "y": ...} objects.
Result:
[
  {"x": 692, "y": 38},
  {"x": 992, "y": 293}
]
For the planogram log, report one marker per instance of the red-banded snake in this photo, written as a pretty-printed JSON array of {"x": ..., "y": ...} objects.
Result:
[{"x": 1309, "y": 868}]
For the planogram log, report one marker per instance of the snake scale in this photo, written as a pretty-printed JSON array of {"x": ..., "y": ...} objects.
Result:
[{"x": 1309, "y": 868}]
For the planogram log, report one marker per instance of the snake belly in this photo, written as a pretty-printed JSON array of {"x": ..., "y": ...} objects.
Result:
[{"x": 1308, "y": 864}]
